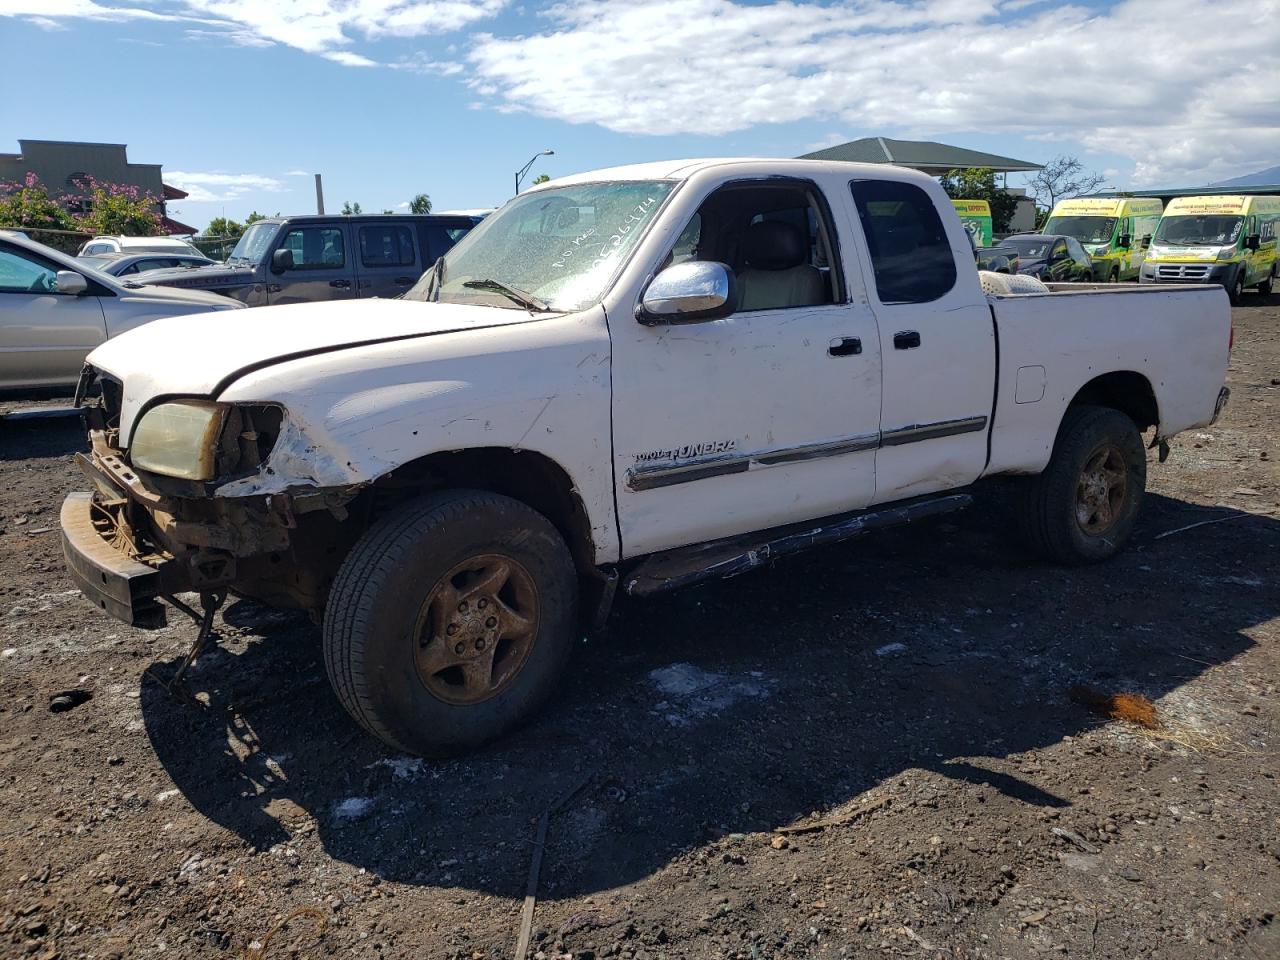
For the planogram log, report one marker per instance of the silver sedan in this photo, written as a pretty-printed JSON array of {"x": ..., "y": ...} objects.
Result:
[{"x": 54, "y": 311}]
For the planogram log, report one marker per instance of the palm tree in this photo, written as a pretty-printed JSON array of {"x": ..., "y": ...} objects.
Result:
[{"x": 420, "y": 204}]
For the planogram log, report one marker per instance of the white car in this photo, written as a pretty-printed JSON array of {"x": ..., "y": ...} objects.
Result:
[
  {"x": 635, "y": 378},
  {"x": 123, "y": 244},
  {"x": 54, "y": 310}
]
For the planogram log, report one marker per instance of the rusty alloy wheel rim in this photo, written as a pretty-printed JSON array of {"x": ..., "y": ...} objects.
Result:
[
  {"x": 1100, "y": 490},
  {"x": 476, "y": 629}
]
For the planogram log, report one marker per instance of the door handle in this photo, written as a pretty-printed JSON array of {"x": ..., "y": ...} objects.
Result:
[
  {"x": 404, "y": 281},
  {"x": 844, "y": 346},
  {"x": 345, "y": 284},
  {"x": 906, "y": 340}
]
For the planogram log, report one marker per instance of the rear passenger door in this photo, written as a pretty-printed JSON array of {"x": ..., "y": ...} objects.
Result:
[
  {"x": 937, "y": 341},
  {"x": 323, "y": 267},
  {"x": 389, "y": 258}
]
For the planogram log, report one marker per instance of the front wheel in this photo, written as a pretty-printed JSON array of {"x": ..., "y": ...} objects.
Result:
[
  {"x": 1236, "y": 293},
  {"x": 1083, "y": 507},
  {"x": 450, "y": 621},
  {"x": 1267, "y": 285}
]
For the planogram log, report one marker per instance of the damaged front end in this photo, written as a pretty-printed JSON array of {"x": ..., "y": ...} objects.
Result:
[{"x": 139, "y": 536}]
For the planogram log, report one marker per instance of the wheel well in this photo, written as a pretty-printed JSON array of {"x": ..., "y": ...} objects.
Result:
[
  {"x": 1126, "y": 391},
  {"x": 532, "y": 478}
]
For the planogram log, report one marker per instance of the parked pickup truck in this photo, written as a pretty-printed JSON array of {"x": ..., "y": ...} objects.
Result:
[
  {"x": 303, "y": 259},
  {"x": 636, "y": 378}
]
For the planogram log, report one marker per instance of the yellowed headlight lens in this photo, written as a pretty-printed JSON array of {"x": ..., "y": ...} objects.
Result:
[{"x": 179, "y": 439}]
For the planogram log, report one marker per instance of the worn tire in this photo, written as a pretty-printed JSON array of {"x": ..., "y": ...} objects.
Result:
[
  {"x": 1048, "y": 512},
  {"x": 373, "y": 617}
]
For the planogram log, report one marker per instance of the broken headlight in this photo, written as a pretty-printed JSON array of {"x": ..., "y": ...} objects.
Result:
[{"x": 203, "y": 440}]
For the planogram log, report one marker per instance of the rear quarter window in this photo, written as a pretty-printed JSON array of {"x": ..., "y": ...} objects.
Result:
[{"x": 910, "y": 253}]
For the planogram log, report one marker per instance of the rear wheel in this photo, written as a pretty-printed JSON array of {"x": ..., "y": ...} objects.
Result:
[
  {"x": 1114, "y": 275},
  {"x": 450, "y": 621},
  {"x": 1083, "y": 507},
  {"x": 1267, "y": 285}
]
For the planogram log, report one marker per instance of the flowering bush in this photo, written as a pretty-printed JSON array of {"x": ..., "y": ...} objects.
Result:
[
  {"x": 114, "y": 208},
  {"x": 28, "y": 206},
  {"x": 109, "y": 208}
]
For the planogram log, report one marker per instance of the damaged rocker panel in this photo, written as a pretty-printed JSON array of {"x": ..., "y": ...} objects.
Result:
[{"x": 653, "y": 477}]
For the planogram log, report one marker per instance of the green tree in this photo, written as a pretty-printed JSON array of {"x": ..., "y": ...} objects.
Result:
[
  {"x": 979, "y": 183},
  {"x": 349, "y": 208},
  {"x": 222, "y": 227},
  {"x": 540, "y": 178},
  {"x": 255, "y": 217},
  {"x": 420, "y": 204},
  {"x": 385, "y": 212},
  {"x": 28, "y": 206}
]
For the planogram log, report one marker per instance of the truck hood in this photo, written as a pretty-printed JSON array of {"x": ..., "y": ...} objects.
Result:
[
  {"x": 201, "y": 356},
  {"x": 162, "y": 295},
  {"x": 214, "y": 276}
]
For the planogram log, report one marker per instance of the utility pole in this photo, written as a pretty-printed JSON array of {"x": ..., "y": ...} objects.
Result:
[{"x": 319, "y": 196}]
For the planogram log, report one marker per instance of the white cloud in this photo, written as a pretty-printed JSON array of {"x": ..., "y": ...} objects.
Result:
[
  {"x": 221, "y": 187},
  {"x": 313, "y": 26},
  {"x": 348, "y": 59},
  {"x": 1128, "y": 80},
  {"x": 297, "y": 173}
]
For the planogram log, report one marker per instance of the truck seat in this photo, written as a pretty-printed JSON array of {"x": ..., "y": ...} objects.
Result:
[{"x": 777, "y": 272}]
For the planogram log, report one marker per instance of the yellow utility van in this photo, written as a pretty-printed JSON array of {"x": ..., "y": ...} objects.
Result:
[
  {"x": 1114, "y": 231},
  {"x": 976, "y": 217},
  {"x": 1229, "y": 240}
]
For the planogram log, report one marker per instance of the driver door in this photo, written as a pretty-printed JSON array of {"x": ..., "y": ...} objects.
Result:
[
  {"x": 323, "y": 265},
  {"x": 763, "y": 418}
]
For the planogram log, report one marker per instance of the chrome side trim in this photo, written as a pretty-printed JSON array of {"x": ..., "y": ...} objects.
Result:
[
  {"x": 652, "y": 477},
  {"x": 931, "y": 431},
  {"x": 648, "y": 478}
]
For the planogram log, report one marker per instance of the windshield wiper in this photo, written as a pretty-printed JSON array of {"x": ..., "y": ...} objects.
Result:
[{"x": 525, "y": 299}]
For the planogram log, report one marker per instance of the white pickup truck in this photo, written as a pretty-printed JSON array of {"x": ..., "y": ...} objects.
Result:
[{"x": 639, "y": 378}]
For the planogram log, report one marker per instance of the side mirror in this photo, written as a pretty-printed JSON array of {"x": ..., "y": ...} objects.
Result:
[
  {"x": 72, "y": 283},
  {"x": 281, "y": 261},
  {"x": 688, "y": 292},
  {"x": 1146, "y": 241},
  {"x": 1125, "y": 240},
  {"x": 1253, "y": 242}
]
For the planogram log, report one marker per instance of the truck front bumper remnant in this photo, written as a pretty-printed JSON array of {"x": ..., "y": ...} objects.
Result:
[{"x": 126, "y": 588}]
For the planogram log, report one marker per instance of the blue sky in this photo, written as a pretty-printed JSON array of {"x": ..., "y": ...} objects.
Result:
[{"x": 387, "y": 98}]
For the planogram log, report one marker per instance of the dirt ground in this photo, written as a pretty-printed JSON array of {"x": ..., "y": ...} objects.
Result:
[{"x": 904, "y": 698}]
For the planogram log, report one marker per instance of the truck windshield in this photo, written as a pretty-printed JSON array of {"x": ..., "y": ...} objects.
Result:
[
  {"x": 1202, "y": 230},
  {"x": 253, "y": 244},
  {"x": 561, "y": 245},
  {"x": 1084, "y": 229}
]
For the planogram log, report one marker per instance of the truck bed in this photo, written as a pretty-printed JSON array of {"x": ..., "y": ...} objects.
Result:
[{"x": 1178, "y": 340}]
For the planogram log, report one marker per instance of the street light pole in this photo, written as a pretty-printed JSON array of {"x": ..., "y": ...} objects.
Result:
[{"x": 525, "y": 169}]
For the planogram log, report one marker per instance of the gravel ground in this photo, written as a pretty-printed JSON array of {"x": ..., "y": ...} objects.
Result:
[{"x": 902, "y": 701}]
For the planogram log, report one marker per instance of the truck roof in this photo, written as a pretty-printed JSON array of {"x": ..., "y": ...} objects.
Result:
[{"x": 748, "y": 166}]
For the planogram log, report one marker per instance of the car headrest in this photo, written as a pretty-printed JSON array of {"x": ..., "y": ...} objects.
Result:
[{"x": 773, "y": 245}]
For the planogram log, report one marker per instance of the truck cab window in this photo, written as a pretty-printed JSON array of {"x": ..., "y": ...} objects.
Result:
[
  {"x": 316, "y": 248},
  {"x": 774, "y": 236},
  {"x": 910, "y": 253}
]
